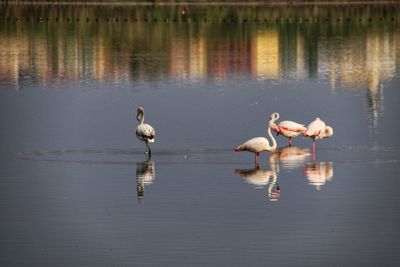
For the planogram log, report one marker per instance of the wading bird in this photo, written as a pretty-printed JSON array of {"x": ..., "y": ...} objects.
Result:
[
  {"x": 259, "y": 144},
  {"x": 288, "y": 129},
  {"x": 317, "y": 129},
  {"x": 144, "y": 132}
]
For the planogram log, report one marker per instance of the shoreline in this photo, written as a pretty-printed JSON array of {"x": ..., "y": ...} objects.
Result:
[{"x": 221, "y": 3}]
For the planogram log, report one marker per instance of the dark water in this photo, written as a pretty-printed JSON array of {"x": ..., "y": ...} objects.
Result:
[{"x": 75, "y": 186}]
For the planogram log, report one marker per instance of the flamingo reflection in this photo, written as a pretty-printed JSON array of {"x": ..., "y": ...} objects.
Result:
[
  {"x": 145, "y": 175},
  {"x": 318, "y": 173},
  {"x": 290, "y": 157},
  {"x": 260, "y": 179}
]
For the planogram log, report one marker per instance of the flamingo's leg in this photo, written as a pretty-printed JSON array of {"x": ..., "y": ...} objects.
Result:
[
  {"x": 148, "y": 151},
  {"x": 313, "y": 149},
  {"x": 290, "y": 141},
  {"x": 257, "y": 154}
]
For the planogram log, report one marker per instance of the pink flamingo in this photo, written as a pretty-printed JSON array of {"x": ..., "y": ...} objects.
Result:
[
  {"x": 288, "y": 129},
  {"x": 317, "y": 129},
  {"x": 259, "y": 144}
]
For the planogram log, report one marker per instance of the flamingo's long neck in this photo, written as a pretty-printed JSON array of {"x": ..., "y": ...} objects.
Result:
[
  {"x": 273, "y": 147},
  {"x": 141, "y": 118}
]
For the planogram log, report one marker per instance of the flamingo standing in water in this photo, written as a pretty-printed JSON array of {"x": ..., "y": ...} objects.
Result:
[
  {"x": 317, "y": 129},
  {"x": 288, "y": 129},
  {"x": 259, "y": 144},
  {"x": 144, "y": 131}
]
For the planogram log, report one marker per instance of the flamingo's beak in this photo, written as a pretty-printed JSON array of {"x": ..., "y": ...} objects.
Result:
[{"x": 276, "y": 129}]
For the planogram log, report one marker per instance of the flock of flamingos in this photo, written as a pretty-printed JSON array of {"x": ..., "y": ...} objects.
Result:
[
  {"x": 317, "y": 174},
  {"x": 317, "y": 129}
]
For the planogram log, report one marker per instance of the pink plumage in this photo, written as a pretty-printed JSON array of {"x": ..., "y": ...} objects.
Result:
[
  {"x": 288, "y": 129},
  {"x": 317, "y": 129}
]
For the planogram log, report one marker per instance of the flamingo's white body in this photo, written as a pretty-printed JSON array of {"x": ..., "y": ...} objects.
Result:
[
  {"x": 317, "y": 129},
  {"x": 144, "y": 131},
  {"x": 288, "y": 129},
  {"x": 259, "y": 144}
]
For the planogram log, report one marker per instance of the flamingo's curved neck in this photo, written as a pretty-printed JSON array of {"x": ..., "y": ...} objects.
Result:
[
  {"x": 273, "y": 147},
  {"x": 141, "y": 117}
]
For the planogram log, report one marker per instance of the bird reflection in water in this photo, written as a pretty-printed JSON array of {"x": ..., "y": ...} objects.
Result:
[
  {"x": 261, "y": 178},
  {"x": 290, "y": 157},
  {"x": 145, "y": 175},
  {"x": 318, "y": 173}
]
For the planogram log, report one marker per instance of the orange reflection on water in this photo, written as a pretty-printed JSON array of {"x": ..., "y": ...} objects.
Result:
[
  {"x": 365, "y": 63},
  {"x": 188, "y": 59},
  {"x": 135, "y": 53},
  {"x": 266, "y": 55}
]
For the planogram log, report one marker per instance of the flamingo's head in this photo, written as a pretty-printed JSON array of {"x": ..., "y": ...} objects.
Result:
[
  {"x": 274, "y": 127},
  {"x": 274, "y": 116}
]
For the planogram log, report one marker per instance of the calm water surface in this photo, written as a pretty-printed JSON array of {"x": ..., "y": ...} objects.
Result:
[{"x": 76, "y": 188}]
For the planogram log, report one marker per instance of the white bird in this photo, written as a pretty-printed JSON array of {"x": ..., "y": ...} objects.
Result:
[
  {"x": 144, "y": 132},
  {"x": 259, "y": 144},
  {"x": 288, "y": 129},
  {"x": 317, "y": 129}
]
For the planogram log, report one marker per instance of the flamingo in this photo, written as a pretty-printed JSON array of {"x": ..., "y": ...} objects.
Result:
[
  {"x": 288, "y": 129},
  {"x": 144, "y": 131},
  {"x": 317, "y": 129},
  {"x": 259, "y": 144}
]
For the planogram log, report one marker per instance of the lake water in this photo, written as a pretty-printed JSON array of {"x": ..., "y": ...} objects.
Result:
[{"x": 76, "y": 188}]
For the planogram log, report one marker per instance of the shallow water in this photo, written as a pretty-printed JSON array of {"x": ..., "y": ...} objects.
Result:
[{"x": 76, "y": 188}]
